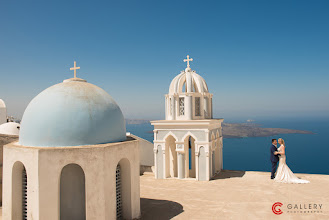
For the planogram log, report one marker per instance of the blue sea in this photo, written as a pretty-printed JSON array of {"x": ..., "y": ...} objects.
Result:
[{"x": 306, "y": 153}]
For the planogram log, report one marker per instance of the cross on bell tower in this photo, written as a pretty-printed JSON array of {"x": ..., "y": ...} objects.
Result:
[
  {"x": 188, "y": 61},
  {"x": 75, "y": 68}
]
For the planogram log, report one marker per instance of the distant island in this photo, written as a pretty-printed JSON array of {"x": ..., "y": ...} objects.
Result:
[{"x": 240, "y": 130}]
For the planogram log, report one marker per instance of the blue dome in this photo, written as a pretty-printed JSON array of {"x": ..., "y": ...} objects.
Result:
[{"x": 72, "y": 113}]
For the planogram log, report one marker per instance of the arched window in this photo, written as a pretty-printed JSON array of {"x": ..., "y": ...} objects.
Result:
[
  {"x": 123, "y": 189},
  {"x": 19, "y": 191},
  {"x": 72, "y": 193},
  {"x": 171, "y": 157},
  {"x": 189, "y": 144}
]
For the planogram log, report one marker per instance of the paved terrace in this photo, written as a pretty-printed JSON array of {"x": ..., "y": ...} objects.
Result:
[{"x": 233, "y": 195}]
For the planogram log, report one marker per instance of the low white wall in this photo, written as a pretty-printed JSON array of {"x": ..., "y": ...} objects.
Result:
[{"x": 146, "y": 151}]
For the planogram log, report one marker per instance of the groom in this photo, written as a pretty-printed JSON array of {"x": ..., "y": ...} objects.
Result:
[{"x": 274, "y": 157}]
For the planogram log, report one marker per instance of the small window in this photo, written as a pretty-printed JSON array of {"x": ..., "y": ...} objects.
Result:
[
  {"x": 197, "y": 106},
  {"x": 181, "y": 106}
]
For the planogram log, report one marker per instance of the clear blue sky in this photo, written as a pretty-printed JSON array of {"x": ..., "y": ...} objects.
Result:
[{"x": 259, "y": 58}]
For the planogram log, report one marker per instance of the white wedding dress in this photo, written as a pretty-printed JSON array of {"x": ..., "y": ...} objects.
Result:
[{"x": 284, "y": 174}]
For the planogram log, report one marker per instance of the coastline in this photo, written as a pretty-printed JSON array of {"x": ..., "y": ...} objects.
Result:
[{"x": 239, "y": 130}]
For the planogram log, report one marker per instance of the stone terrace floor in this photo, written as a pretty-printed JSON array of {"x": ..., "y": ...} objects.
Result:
[{"x": 233, "y": 195}]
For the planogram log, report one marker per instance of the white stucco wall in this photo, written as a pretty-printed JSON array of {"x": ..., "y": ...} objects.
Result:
[
  {"x": 146, "y": 151},
  {"x": 44, "y": 166}
]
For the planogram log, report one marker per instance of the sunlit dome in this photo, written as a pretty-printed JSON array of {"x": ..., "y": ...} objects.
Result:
[
  {"x": 72, "y": 113},
  {"x": 188, "y": 81}
]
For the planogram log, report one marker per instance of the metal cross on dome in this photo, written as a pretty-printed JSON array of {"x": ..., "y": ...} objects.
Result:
[
  {"x": 75, "y": 68},
  {"x": 188, "y": 61}
]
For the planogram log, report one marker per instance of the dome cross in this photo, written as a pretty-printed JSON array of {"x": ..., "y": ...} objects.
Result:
[
  {"x": 188, "y": 61},
  {"x": 75, "y": 68}
]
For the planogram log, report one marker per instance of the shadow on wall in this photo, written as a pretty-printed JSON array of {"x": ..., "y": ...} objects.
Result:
[
  {"x": 226, "y": 174},
  {"x": 159, "y": 209}
]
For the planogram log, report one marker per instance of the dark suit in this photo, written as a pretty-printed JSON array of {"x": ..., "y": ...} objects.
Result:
[{"x": 274, "y": 160}]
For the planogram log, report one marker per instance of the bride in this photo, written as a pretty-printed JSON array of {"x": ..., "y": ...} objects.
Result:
[{"x": 283, "y": 173}]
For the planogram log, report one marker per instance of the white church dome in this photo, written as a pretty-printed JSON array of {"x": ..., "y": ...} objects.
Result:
[
  {"x": 72, "y": 113},
  {"x": 188, "y": 81},
  {"x": 10, "y": 128},
  {"x": 188, "y": 97}
]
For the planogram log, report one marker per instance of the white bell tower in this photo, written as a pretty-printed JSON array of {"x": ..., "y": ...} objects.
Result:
[{"x": 189, "y": 142}]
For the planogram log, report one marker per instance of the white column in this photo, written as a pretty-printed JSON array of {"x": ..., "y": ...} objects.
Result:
[
  {"x": 207, "y": 165},
  {"x": 196, "y": 161},
  {"x": 188, "y": 107},
  {"x": 181, "y": 164},
  {"x": 155, "y": 150},
  {"x": 164, "y": 162},
  {"x": 217, "y": 156},
  {"x": 211, "y": 108},
  {"x": 176, "y": 107},
  {"x": 206, "y": 110},
  {"x": 202, "y": 114},
  {"x": 173, "y": 113},
  {"x": 166, "y": 107}
]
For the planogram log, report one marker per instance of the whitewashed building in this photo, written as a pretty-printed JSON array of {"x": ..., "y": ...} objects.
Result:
[
  {"x": 3, "y": 112},
  {"x": 10, "y": 128},
  {"x": 73, "y": 160},
  {"x": 189, "y": 142}
]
